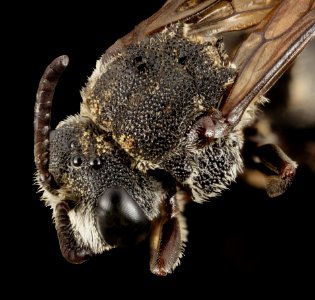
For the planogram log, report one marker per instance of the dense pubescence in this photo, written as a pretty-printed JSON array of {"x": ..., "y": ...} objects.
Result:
[
  {"x": 215, "y": 167},
  {"x": 85, "y": 162},
  {"x": 150, "y": 95},
  {"x": 207, "y": 171}
]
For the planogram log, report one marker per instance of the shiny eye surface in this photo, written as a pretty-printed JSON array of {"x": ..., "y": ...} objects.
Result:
[
  {"x": 96, "y": 163},
  {"x": 73, "y": 144},
  {"x": 77, "y": 161},
  {"x": 120, "y": 220}
]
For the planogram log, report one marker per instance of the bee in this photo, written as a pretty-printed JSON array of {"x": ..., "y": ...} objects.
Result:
[{"x": 163, "y": 121}]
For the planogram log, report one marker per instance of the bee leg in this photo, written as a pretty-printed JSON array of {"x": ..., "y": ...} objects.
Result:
[
  {"x": 68, "y": 246},
  {"x": 283, "y": 167},
  {"x": 167, "y": 239}
]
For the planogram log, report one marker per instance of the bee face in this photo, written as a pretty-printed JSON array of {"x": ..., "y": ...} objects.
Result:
[{"x": 105, "y": 195}]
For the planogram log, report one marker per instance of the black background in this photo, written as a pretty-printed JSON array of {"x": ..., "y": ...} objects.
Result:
[{"x": 242, "y": 237}]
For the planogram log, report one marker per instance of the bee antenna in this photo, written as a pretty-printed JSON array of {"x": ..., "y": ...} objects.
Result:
[{"x": 42, "y": 117}]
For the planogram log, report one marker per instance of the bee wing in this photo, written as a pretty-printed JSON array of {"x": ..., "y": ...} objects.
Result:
[
  {"x": 267, "y": 53},
  {"x": 201, "y": 17},
  {"x": 227, "y": 16}
]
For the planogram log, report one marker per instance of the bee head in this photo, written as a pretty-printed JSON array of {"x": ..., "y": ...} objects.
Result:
[{"x": 99, "y": 199}]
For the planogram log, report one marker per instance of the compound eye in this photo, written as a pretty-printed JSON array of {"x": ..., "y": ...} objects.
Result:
[
  {"x": 77, "y": 161},
  {"x": 120, "y": 220}
]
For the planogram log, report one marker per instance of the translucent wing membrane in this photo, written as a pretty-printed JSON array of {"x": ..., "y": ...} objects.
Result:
[
  {"x": 267, "y": 53},
  {"x": 203, "y": 17}
]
